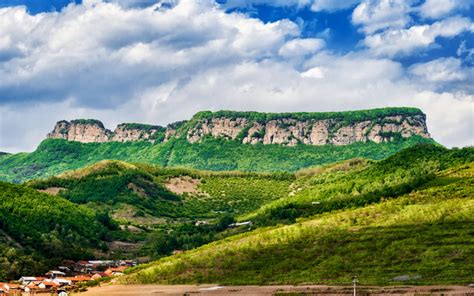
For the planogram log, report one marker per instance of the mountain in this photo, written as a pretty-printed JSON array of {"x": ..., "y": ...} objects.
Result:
[
  {"x": 376, "y": 220},
  {"x": 225, "y": 141},
  {"x": 336, "y": 128}
]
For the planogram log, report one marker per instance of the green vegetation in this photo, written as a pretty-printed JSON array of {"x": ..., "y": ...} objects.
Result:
[
  {"x": 424, "y": 232},
  {"x": 346, "y": 116},
  {"x": 356, "y": 183},
  {"x": 137, "y": 195},
  {"x": 37, "y": 230},
  {"x": 88, "y": 121},
  {"x": 141, "y": 126},
  {"x": 54, "y": 156}
]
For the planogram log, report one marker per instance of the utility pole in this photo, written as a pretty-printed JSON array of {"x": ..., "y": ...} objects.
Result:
[{"x": 354, "y": 282}]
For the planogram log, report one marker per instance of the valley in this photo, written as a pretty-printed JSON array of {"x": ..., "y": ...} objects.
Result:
[{"x": 393, "y": 213}]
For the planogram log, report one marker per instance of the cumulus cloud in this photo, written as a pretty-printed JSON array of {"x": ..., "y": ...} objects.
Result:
[
  {"x": 375, "y": 15},
  {"x": 439, "y": 8},
  {"x": 299, "y": 47},
  {"x": 439, "y": 70},
  {"x": 394, "y": 42},
  {"x": 148, "y": 64},
  {"x": 64, "y": 55}
]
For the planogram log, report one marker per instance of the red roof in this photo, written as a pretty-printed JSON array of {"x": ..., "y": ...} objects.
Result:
[{"x": 50, "y": 284}]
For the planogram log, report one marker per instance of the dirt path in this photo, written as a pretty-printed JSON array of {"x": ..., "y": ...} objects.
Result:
[{"x": 131, "y": 290}]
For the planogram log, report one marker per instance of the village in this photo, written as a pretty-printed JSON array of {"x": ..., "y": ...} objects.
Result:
[{"x": 72, "y": 276}]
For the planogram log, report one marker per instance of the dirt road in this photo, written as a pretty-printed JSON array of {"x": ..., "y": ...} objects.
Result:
[{"x": 156, "y": 290}]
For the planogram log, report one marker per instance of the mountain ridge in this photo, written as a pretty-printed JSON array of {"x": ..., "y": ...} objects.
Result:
[{"x": 289, "y": 129}]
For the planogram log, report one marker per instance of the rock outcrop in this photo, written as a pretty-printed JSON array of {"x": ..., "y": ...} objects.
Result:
[
  {"x": 126, "y": 132},
  {"x": 80, "y": 130},
  {"x": 90, "y": 130},
  {"x": 290, "y": 129}
]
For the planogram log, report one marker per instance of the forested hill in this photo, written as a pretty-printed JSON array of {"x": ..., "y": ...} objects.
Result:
[
  {"x": 38, "y": 231},
  {"x": 406, "y": 220},
  {"x": 225, "y": 141}
]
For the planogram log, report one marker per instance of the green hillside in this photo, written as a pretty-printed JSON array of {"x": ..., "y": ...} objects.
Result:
[
  {"x": 54, "y": 156},
  {"x": 38, "y": 230},
  {"x": 149, "y": 190},
  {"x": 416, "y": 223}
]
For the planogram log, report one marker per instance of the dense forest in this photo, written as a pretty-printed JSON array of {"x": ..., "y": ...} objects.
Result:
[{"x": 38, "y": 230}]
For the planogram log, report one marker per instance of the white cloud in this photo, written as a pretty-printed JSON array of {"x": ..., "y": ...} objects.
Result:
[
  {"x": 315, "y": 72},
  {"x": 439, "y": 70},
  {"x": 107, "y": 61},
  {"x": 375, "y": 15},
  {"x": 440, "y": 8},
  {"x": 299, "y": 47},
  {"x": 404, "y": 41},
  {"x": 465, "y": 52}
]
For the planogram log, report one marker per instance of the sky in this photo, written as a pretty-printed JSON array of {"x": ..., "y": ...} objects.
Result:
[{"x": 157, "y": 62}]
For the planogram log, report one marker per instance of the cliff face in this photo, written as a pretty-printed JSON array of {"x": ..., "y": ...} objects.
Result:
[
  {"x": 91, "y": 130},
  {"x": 85, "y": 131},
  {"x": 135, "y": 132},
  {"x": 310, "y": 132},
  {"x": 341, "y": 128}
]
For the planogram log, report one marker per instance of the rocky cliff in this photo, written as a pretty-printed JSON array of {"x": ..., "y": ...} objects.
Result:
[
  {"x": 336, "y": 128},
  {"x": 91, "y": 130}
]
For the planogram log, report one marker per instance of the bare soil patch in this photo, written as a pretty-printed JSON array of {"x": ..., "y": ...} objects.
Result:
[
  {"x": 184, "y": 184},
  {"x": 51, "y": 190}
]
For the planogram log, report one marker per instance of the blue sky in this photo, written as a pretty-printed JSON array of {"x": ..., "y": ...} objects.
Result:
[{"x": 161, "y": 61}]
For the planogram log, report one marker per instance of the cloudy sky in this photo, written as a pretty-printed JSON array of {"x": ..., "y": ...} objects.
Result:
[{"x": 161, "y": 61}]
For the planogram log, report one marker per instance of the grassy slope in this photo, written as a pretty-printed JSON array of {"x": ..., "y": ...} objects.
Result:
[
  {"x": 54, "y": 156},
  {"x": 37, "y": 230},
  {"x": 426, "y": 233}
]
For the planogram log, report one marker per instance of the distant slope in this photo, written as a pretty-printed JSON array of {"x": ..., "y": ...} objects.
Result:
[
  {"x": 424, "y": 236},
  {"x": 54, "y": 156},
  {"x": 38, "y": 230}
]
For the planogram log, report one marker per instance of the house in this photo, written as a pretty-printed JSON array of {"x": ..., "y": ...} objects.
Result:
[
  {"x": 10, "y": 289},
  {"x": 62, "y": 282},
  {"x": 55, "y": 273},
  {"x": 201, "y": 222},
  {"x": 115, "y": 270},
  {"x": 48, "y": 285},
  {"x": 64, "y": 269},
  {"x": 78, "y": 279},
  {"x": 99, "y": 275},
  {"x": 175, "y": 252},
  {"x": 25, "y": 280},
  {"x": 246, "y": 223},
  {"x": 101, "y": 262},
  {"x": 31, "y": 288}
]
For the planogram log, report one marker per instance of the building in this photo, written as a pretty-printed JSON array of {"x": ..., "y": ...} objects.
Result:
[{"x": 246, "y": 223}]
